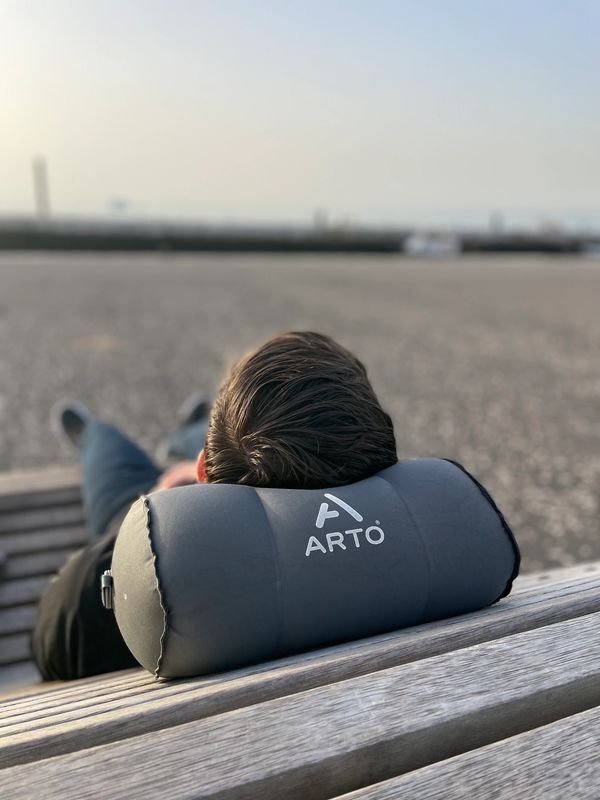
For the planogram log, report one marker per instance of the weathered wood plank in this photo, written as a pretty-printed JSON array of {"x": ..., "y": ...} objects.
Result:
[
  {"x": 341, "y": 737},
  {"x": 579, "y": 572},
  {"x": 19, "y": 619},
  {"x": 43, "y": 540},
  {"x": 46, "y": 562},
  {"x": 549, "y": 763},
  {"x": 15, "y": 647},
  {"x": 33, "y": 488},
  {"x": 14, "y": 620},
  {"x": 27, "y": 696},
  {"x": 13, "y": 676},
  {"x": 22, "y": 591},
  {"x": 542, "y": 607},
  {"x": 41, "y": 518},
  {"x": 58, "y": 724},
  {"x": 43, "y": 499},
  {"x": 538, "y": 607}
]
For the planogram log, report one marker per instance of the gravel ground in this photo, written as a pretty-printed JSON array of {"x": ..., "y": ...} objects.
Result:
[{"x": 490, "y": 361}]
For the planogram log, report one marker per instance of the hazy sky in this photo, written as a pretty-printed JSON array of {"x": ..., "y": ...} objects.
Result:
[{"x": 377, "y": 111}]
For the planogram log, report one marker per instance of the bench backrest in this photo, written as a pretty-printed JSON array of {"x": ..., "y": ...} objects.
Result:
[{"x": 41, "y": 525}]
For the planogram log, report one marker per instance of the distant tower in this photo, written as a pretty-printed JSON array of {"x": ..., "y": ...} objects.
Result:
[
  {"x": 320, "y": 219},
  {"x": 497, "y": 226},
  {"x": 40, "y": 188}
]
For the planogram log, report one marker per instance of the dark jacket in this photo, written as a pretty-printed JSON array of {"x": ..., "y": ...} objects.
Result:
[{"x": 75, "y": 636}]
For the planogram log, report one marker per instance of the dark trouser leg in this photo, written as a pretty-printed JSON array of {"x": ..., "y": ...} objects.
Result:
[
  {"x": 75, "y": 635},
  {"x": 114, "y": 472}
]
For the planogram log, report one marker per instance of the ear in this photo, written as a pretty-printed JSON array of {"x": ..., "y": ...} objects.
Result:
[{"x": 200, "y": 469}]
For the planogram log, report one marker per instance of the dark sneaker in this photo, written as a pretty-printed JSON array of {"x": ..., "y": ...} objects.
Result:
[
  {"x": 188, "y": 439},
  {"x": 68, "y": 421},
  {"x": 184, "y": 444},
  {"x": 195, "y": 408}
]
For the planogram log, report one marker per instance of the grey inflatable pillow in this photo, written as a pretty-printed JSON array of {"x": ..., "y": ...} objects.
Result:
[{"x": 213, "y": 576}]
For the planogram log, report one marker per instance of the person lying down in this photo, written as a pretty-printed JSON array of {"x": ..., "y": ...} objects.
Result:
[
  {"x": 303, "y": 529},
  {"x": 299, "y": 412}
]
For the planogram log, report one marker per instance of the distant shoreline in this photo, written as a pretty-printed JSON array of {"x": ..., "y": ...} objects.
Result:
[{"x": 32, "y": 235}]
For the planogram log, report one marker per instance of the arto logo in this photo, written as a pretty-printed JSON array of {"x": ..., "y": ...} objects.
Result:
[
  {"x": 373, "y": 534},
  {"x": 325, "y": 513}
]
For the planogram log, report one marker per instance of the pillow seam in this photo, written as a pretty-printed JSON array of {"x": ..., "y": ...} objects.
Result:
[{"x": 146, "y": 504}]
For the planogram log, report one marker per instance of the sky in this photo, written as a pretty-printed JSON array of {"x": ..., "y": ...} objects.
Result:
[{"x": 416, "y": 111}]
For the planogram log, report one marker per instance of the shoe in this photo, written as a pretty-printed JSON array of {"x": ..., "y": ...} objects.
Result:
[
  {"x": 188, "y": 439},
  {"x": 68, "y": 421},
  {"x": 183, "y": 445},
  {"x": 195, "y": 408}
]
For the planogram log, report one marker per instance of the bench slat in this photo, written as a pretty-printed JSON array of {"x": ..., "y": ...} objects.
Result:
[
  {"x": 14, "y": 675},
  {"x": 57, "y": 723},
  {"x": 22, "y": 618},
  {"x": 341, "y": 737},
  {"x": 16, "y": 647},
  {"x": 552, "y": 605},
  {"x": 552, "y": 762},
  {"x": 566, "y": 574},
  {"x": 19, "y": 619},
  {"x": 31, "y": 489},
  {"x": 46, "y": 498},
  {"x": 43, "y": 540},
  {"x": 29, "y": 566},
  {"x": 519, "y": 612},
  {"x": 22, "y": 590},
  {"x": 38, "y": 518},
  {"x": 24, "y": 697}
]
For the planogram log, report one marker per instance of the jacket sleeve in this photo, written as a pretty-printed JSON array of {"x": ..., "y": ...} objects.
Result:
[{"x": 75, "y": 636}]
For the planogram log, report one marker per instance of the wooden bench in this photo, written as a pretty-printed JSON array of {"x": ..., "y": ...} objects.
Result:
[
  {"x": 506, "y": 699},
  {"x": 41, "y": 524}
]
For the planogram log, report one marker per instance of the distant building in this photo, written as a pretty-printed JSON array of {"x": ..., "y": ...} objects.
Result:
[
  {"x": 432, "y": 245},
  {"x": 41, "y": 188}
]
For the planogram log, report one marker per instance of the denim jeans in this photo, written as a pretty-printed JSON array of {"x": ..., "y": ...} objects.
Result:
[{"x": 115, "y": 471}]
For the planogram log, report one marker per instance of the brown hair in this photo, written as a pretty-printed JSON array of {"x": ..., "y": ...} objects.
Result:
[{"x": 299, "y": 412}]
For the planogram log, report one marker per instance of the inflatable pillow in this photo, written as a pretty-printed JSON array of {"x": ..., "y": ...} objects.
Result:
[{"x": 215, "y": 576}]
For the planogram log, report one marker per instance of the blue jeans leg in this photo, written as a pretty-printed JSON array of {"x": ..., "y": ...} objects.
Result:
[{"x": 115, "y": 472}]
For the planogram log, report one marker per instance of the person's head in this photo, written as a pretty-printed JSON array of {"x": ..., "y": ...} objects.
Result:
[{"x": 300, "y": 413}]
